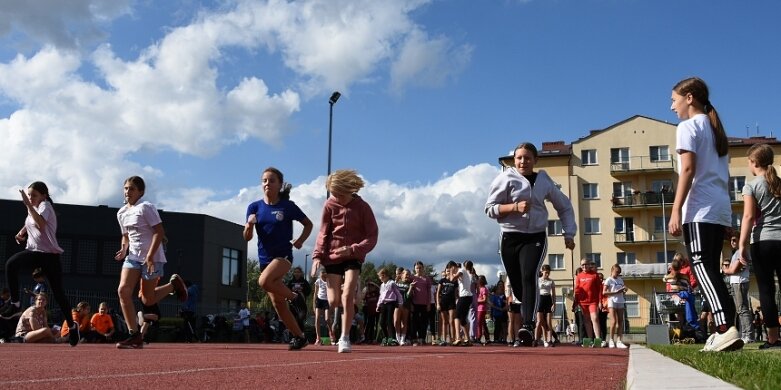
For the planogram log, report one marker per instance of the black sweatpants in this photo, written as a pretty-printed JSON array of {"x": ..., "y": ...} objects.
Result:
[
  {"x": 522, "y": 257},
  {"x": 764, "y": 258},
  {"x": 50, "y": 264},
  {"x": 704, "y": 242},
  {"x": 386, "y": 320},
  {"x": 420, "y": 321}
]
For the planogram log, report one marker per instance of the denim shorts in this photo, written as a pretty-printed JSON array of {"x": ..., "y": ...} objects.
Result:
[{"x": 137, "y": 265}]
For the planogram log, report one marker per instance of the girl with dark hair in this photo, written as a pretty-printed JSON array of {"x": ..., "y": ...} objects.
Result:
[
  {"x": 547, "y": 299},
  {"x": 420, "y": 291},
  {"x": 464, "y": 302},
  {"x": 761, "y": 221},
  {"x": 41, "y": 251},
  {"x": 142, "y": 259},
  {"x": 701, "y": 210},
  {"x": 517, "y": 201},
  {"x": 272, "y": 218}
]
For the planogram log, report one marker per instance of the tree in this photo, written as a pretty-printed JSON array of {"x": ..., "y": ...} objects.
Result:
[{"x": 256, "y": 297}]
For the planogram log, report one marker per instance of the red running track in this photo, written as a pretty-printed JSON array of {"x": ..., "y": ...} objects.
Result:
[{"x": 174, "y": 366}]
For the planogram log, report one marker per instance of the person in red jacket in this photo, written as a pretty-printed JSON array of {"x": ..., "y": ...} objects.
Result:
[{"x": 588, "y": 294}]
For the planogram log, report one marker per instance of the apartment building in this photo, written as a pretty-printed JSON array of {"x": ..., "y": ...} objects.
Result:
[{"x": 622, "y": 182}]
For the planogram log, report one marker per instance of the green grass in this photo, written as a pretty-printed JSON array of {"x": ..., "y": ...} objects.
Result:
[{"x": 747, "y": 369}]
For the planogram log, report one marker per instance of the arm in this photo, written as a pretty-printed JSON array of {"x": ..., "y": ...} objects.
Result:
[
  {"x": 749, "y": 217},
  {"x": 304, "y": 233},
  {"x": 566, "y": 213},
  {"x": 499, "y": 203},
  {"x": 157, "y": 239},
  {"x": 685, "y": 177},
  {"x": 370, "y": 230},
  {"x": 122, "y": 252},
  {"x": 40, "y": 222}
]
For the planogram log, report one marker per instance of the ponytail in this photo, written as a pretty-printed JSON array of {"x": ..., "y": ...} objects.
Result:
[
  {"x": 719, "y": 135},
  {"x": 773, "y": 181},
  {"x": 699, "y": 91},
  {"x": 762, "y": 155}
]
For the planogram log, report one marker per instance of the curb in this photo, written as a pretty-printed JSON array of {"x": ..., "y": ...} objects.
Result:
[{"x": 650, "y": 370}]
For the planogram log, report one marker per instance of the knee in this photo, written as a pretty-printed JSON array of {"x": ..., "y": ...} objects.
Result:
[{"x": 125, "y": 291}]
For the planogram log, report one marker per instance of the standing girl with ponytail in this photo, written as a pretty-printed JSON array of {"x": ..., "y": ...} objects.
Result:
[
  {"x": 762, "y": 221},
  {"x": 702, "y": 210}
]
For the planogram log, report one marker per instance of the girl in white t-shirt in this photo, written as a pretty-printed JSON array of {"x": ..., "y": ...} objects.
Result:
[
  {"x": 143, "y": 259},
  {"x": 614, "y": 289},
  {"x": 322, "y": 309},
  {"x": 464, "y": 302},
  {"x": 701, "y": 210}
]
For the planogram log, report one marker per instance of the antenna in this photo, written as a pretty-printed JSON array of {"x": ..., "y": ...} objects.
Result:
[{"x": 747, "y": 136}]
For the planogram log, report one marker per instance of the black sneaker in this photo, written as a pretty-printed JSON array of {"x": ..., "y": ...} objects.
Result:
[
  {"x": 525, "y": 336},
  {"x": 135, "y": 341},
  {"x": 180, "y": 289},
  {"x": 9, "y": 310},
  {"x": 297, "y": 343},
  {"x": 766, "y": 345},
  {"x": 73, "y": 335}
]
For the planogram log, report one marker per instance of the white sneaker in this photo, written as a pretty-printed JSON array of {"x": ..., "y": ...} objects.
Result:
[
  {"x": 727, "y": 341},
  {"x": 604, "y": 344},
  {"x": 344, "y": 346},
  {"x": 611, "y": 344},
  {"x": 620, "y": 344},
  {"x": 545, "y": 344}
]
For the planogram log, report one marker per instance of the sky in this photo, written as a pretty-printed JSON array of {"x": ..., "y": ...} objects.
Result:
[{"x": 198, "y": 97}]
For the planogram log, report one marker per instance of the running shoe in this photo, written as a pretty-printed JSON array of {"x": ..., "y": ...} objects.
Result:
[
  {"x": 724, "y": 342},
  {"x": 344, "y": 346},
  {"x": 611, "y": 344},
  {"x": 297, "y": 343},
  {"x": 767, "y": 345},
  {"x": 587, "y": 342},
  {"x": 73, "y": 335},
  {"x": 180, "y": 289},
  {"x": 135, "y": 341},
  {"x": 517, "y": 343},
  {"x": 620, "y": 344}
]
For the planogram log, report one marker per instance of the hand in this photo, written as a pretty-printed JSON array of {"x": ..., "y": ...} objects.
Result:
[
  {"x": 120, "y": 255},
  {"x": 150, "y": 267},
  {"x": 569, "y": 243},
  {"x": 25, "y": 198},
  {"x": 253, "y": 219},
  {"x": 674, "y": 226},
  {"x": 523, "y": 207},
  {"x": 315, "y": 266},
  {"x": 20, "y": 238},
  {"x": 343, "y": 251}
]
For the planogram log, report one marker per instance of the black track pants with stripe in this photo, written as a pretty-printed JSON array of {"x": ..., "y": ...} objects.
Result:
[{"x": 522, "y": 257}]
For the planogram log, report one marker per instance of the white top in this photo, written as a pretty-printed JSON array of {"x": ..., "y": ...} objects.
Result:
[
  {"x": 244, "y": 316},
  {"x": 546, "y": 286},
  {"x": 322, "y": 289},
  {"x": 465, "y": 284},
  {"x": 740, "y": 277},
  {"x": 138, "y": 223},
  {"x": 46, "y": 240},
  {"x": 708, "y": 200},
  {"x": 613, "y": 285}
]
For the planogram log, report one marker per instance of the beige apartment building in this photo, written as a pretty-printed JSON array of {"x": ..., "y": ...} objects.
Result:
[{"x": 622, "y": 182}]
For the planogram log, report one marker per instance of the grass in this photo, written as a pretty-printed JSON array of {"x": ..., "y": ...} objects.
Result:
[{"x": 747, "y": 369}]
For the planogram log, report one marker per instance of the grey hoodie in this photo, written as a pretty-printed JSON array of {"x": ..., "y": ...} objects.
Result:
[{"x": 510, "y": 186}]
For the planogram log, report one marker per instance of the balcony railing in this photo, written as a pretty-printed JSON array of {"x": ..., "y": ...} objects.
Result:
[
  {"x": 641, "y": 237},
  {"x": 643, "y": 270},
  {"x": 643, "y": 199},
  {"x": 641, "y": 164}
]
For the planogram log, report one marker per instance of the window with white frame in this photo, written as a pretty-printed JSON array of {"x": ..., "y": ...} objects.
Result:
[
  {"x": 595, "y": 258},
  {"x": 622, "y": 189},
  {"x": 230, "y": 267},
  {"x": 737, "y": 219},
  {"x": 588, "y": 157},
  {"x": 659, "y": 224},
  {"x": 559, "y": 305},
  {"x": 555, "y": 228},
  {"x": 660, "y": 153},
  {"x": 619, "y": 155},
  {"x": 556, "y": 260},
  {"x": 591, "y": 226},
  {"x": 658, "y": 185},
  {"x": 632, "y": 305},
  {"x": 736, "y": 184},
  {"x": 626, "y": 258},
  {"x": 590, "y": 191}
]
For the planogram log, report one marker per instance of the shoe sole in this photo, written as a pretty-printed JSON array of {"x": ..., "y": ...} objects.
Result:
[
  {"x": 733, "y": 346},
  {"x": 141, "y": 346},
  {"x": 175, "y": 280}
]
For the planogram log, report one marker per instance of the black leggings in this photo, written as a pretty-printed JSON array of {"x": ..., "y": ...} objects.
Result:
[
  {"x": 704, "y": 242},
  {"x": 764, "y": 257},
  {"x": 49, "y": 263},
  {"x": 386, "y": 320},
  {"x": 522, "y": 257},
  {"x": 420, "y": 321}
]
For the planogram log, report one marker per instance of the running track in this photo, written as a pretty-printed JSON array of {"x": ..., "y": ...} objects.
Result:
[{"x": 169, "y": 366}]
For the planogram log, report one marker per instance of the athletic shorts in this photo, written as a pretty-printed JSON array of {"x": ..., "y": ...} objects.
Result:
[
  {"x": 321, "y": 303},
  {"x": 615, "y": 305},
  {"x": 262, "y": 267},
  {"x": 589, "y": 307},
  {"x": 515, "y": 308},
  {"x": 340, "y": 268},
  {"x": 546, "y": 301},
  {"x": 462, "y": 309},
  {"x": 446, "y": 305},
  {"x": 141, "y": 266}
]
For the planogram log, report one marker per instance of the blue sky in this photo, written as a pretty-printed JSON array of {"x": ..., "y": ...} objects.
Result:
[{"x": 198, "y": 97}]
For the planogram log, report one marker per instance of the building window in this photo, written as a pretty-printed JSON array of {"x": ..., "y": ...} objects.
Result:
[
  {"x": 591, "y": 226},
  {"x": 632, "y": 305},
  {"x": 658, "y": 185},
  {"x": 590, "y": 191},
  {"x": 660, "y": 153},
  {"x": 588, "y": 157},
  {"x": 559, "y": 305},
  {"x": 737, "y": 219},
  {"x": 556, "y": 261},
  {"x": 595, "y": 258},
  {"x": 736, "y": 184},
  {"x": 659, "y": 224},
  {"x": 622, "y": 189},
  {"x": 554, "y": 228},
  {"x": 619, "y": 158},
  {"x": 230, "y": 267},
  {"x": 660, "y": 257},
  {"x": 626, "y": 258}
]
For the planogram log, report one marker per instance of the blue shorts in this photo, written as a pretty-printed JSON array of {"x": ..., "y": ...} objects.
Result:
[{"x": 137, "y": 265}]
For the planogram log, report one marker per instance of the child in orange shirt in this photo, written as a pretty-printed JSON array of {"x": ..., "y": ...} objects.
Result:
[
  {"x": 588, "y": 293},
  {"x": 102, "y": 324},
  {"x": 81, "y": 316}
]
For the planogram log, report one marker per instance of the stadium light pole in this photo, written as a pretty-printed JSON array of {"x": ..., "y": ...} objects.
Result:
[{"x": 331, "y": 101}]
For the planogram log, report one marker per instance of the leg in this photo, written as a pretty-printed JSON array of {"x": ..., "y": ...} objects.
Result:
[
  {"x": 271, "y": 281},
  {"x": 703, "y": 244},
  {"x": 351, "y": 277},
  {"x": 613, "y": 324},
  {"x": 12, "y": 267},
  {"x": 50, "y": 263},
  {"x": 127, "y": 284}
]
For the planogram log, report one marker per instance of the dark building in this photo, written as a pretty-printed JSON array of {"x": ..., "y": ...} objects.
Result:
[{"x": 207, "y": 251}]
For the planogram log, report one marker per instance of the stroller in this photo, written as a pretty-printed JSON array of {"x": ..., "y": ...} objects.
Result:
[{"x": 669, "y": 309}]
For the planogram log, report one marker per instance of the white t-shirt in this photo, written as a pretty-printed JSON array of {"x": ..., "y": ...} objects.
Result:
[
  {"x": 613, "y": 285},
  {"x": 46, "y": 240},
  {"x": 708, "y": 199},
  {"x": 244, "y": 316},
  {"x": 322, "y": 289},
  {"x": 546, "y": 286},
  {"x": 740, "y": 277},
  {"x": 465, "y": 284},
  {"x": 138, "y": 222}
]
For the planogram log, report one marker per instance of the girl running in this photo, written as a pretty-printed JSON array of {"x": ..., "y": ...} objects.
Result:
[{"x": 272, "y": 218}]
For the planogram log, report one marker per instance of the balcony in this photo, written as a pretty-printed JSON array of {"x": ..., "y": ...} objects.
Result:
[
  {"x": 641, "y": 271},
  {"x": 641, "y": 238},
  {"x": 643, "y": 199},
  {"x": 641, "y": 164}
]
